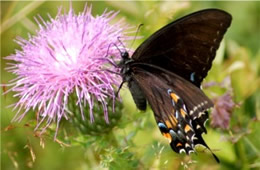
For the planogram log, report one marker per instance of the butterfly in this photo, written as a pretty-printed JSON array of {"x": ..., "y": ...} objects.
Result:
[{"x": 167, "y": 70}]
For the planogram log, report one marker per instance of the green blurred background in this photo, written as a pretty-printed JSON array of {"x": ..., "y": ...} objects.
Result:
[{"x": 135, "y": 142}]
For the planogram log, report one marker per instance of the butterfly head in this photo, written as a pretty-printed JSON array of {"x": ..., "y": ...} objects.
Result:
[
  {"x": 125, "y": 55},
  {"x": 124, "y": 61},
  {"x": 124, "y": 65}
]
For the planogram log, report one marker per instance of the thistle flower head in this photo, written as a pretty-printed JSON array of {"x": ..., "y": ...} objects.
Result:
[
  {"x": 69, "y": 54},
  {"x": 223, "y": 105},
  {"x": 221, "y": 114}
]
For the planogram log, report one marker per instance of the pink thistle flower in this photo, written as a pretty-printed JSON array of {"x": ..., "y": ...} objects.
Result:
[
  {"x": 221, "y": 114},
  {"x": 69, "y": 54},
  {"x": 223, "y": 105}
]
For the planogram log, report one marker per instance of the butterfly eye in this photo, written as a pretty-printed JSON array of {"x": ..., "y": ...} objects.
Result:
[{"x": 125, "y": 55}]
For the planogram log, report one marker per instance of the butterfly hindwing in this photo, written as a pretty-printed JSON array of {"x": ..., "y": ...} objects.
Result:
[
  {"x": 172, "y": 98},
  {"x": 186, "y": 46}
]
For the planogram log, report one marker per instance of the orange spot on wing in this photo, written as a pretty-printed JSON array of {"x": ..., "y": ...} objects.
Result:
[
  {"x": 168, "y": 136},
  {"x": 187, "y": 128},
  {"x": 183, "y": 113},
  {"x": 168, "y": 124},
  {"x": 178, "y": 144},
  {"x": 173, "y": 120},
  {"x": 174, "y": 97}
]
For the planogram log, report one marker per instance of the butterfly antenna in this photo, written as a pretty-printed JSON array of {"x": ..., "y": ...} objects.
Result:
[
  {"x": 137, "y": 31},
  {"x": 118, "y": 38}
]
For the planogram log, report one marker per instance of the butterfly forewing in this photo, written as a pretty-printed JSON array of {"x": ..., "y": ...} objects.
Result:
[{"x": 186, "y": 46}]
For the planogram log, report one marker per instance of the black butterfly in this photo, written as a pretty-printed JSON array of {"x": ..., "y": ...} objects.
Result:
[{"x": 167, "y": 70}]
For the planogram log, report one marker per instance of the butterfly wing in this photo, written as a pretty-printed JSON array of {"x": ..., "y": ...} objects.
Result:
[
  {"x": 179, "y": 106},
  {"x": 186, "y": 46}
]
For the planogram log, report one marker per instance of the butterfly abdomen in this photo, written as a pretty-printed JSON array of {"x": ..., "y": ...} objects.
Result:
[{"x": 137, "y": 95}]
